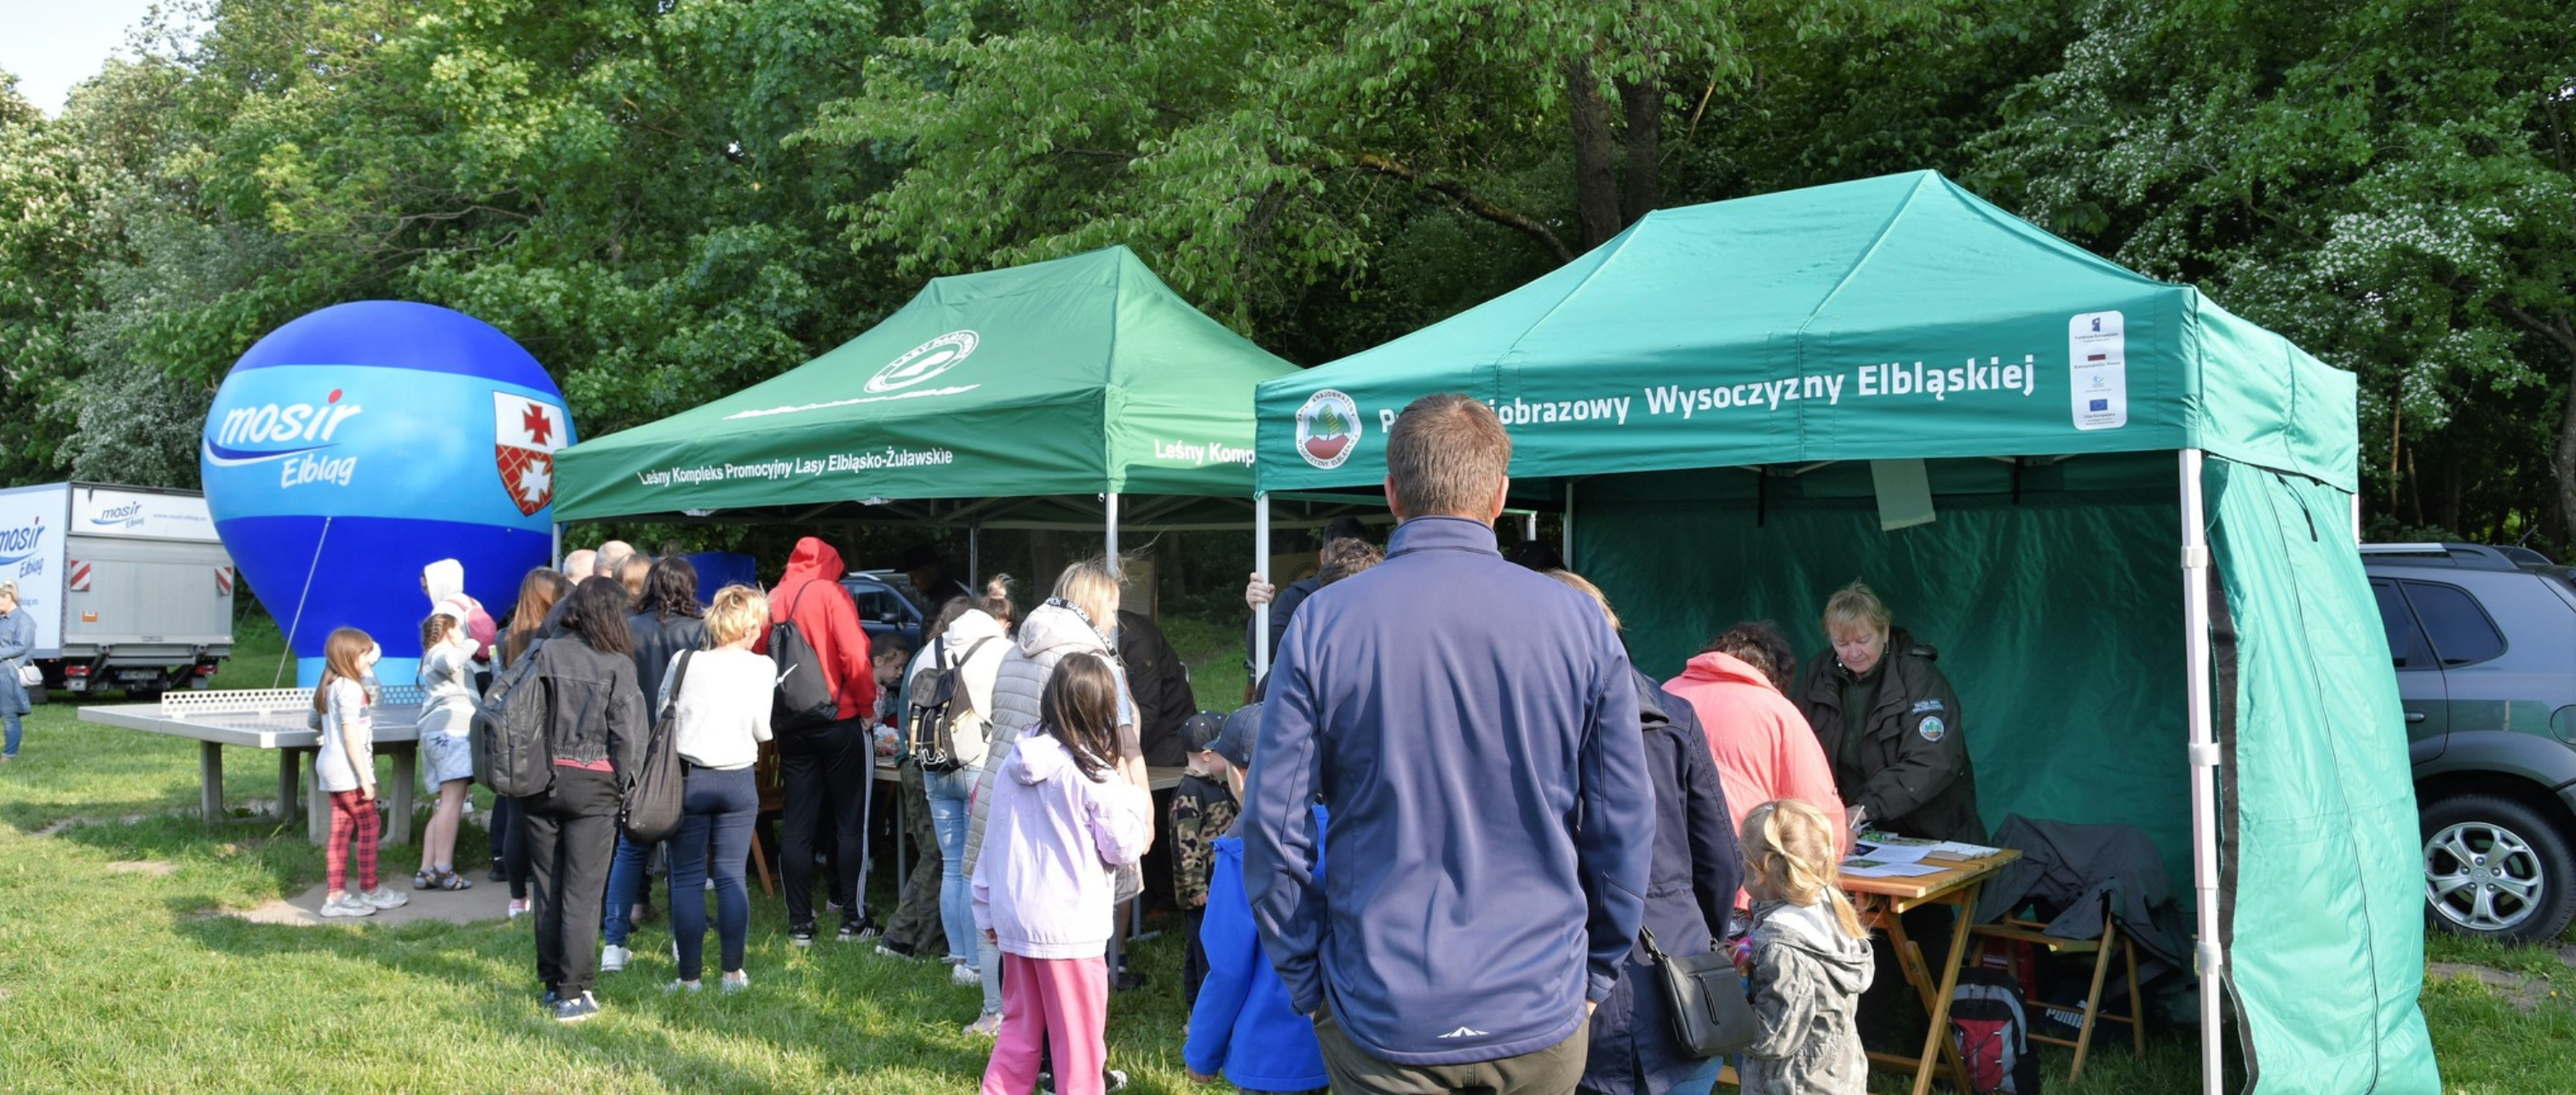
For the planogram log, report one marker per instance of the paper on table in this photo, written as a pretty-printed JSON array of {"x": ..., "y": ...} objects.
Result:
[
  {"x": 1879, "y": 868},
  {"x": 1952, "y": 849},
  {"x": 1872, "y": 846}
]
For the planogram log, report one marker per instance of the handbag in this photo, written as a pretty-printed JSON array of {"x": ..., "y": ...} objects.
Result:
[
  {"x": 30, "y": 675},
  {"x": 1711, "y": 1015},
  {"x": 652, "y": 807}
]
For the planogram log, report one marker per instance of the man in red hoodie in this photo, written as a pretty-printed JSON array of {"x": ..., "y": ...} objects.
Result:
[{"x": 827, "y": 769}]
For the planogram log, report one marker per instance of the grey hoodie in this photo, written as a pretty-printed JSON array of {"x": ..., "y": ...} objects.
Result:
[
  {"x": 1050, "y": 632},
  {"x": 1807, "y": 979}
]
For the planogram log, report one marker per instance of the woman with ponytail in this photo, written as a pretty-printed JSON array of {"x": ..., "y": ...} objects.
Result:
[{"x": 1811, "y": 958}]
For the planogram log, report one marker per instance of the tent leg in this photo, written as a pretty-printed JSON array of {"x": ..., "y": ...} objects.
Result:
[
  {"x": 554, "y": 554},
  {"x": 1529, "y": 525},
  {"x": 1567, "y": 551},
  {"x": 975, "y": 556},
  {"x": 1110, "y": 510},
  {"x": 2203, "y": 756},
  {"x": 1260, "y": 565}
]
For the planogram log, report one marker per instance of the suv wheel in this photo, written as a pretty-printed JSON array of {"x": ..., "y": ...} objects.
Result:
[{"x": 2497, "y": 869}]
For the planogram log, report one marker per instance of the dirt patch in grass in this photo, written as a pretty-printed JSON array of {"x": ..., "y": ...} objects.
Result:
[
  {"x": 56, "y": 829},
  {"x": 157, "y": 868},
  {"x": 2524, "y": 993}
]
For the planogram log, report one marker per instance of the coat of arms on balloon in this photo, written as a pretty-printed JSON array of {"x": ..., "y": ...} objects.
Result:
[{"x": 347, "y": 450}]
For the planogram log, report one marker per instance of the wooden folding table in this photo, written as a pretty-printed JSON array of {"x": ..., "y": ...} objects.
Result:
[{"x": 1882, "y": 903}]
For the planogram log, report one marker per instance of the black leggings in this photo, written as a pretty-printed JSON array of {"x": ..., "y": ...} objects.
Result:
[{"x": 510, "y": 843}]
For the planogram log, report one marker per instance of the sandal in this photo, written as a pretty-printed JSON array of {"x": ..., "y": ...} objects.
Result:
[
  {"x": 450, "y": 880},
  {"x": 424, "y": 880}
]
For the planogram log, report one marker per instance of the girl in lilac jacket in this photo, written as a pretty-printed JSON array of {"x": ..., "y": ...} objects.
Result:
[{"x": 1060, "y": 820}]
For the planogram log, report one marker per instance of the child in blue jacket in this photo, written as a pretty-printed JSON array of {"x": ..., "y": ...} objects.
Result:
[{"x": 1243, "y": 1025}]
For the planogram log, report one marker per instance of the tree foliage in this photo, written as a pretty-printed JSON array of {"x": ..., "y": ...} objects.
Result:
[{"x": 666, "y": 200}]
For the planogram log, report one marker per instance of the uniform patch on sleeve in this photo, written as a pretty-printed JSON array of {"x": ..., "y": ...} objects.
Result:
[
  {"x": 1921, "y": 706},
  {"x": 1931, "y": 728}
]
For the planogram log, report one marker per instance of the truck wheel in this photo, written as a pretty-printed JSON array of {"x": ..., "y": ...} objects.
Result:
[{"x": 2496, "y": 868}]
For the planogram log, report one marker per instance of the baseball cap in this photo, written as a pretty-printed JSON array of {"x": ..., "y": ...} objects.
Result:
[
  {"x": 1235, "y": 743},
  {"x": 1201, "y": 730}
]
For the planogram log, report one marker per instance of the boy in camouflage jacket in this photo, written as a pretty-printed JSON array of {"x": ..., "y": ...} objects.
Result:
[{"x": 1203, "y": 808}]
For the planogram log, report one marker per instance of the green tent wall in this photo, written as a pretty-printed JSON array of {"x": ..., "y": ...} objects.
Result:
[{"x": 1701, "y": 394}]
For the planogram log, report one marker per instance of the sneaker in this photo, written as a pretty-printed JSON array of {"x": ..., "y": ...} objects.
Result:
[
  {"x": 549, "y": 1000},
  {"x": 1128, "y": 980},
  {"x": 860, "y": 930},
  {"x": 1113, "y": 1079},
  {"x": 347, "y": 904},
  {"x": 684, "y": 986},
  {"x": 385, "y": 897},
  {"x": 801, "y": 934},
  {"x": 735, "y": 981},
  {"x": 577, "y": 1009},
  {"x": 892, "y": 949},
  {"x": 987, "y": 1025},
  {"x": 613, "y": 958},
  {"x": 518, "y": 908},
  {"x": 967, "y": 976}
]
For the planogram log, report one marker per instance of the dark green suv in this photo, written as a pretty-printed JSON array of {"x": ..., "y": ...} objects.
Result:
[{"x": 2484, "y": 643}]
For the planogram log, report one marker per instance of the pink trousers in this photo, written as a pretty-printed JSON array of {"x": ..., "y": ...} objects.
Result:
[{"x": 1063, "y": 1002}]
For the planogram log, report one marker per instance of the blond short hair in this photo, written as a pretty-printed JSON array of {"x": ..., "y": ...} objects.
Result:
[
  {"x": 1448, "y": 456},
  {"x": 1585, "y": 584},
  {"x": 1092, "y": 587},
  {"x": 739, "y": 610},
  {"x": 1857, "y": 604}
]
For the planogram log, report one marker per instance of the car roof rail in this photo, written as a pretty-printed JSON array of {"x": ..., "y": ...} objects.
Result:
[{"x": 2460, "y": 556}]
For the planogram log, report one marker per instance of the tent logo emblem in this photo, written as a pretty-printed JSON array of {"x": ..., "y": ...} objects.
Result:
[
  {"x": 1328, "y": 428},
  {"x": 924, "y": 361}
]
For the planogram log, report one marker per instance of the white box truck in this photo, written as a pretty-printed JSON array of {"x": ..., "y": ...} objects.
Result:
[{"x": 129, "y": 586}]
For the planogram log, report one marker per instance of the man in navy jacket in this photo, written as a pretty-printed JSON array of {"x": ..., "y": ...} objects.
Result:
[{"x": 1473, "y": 727}]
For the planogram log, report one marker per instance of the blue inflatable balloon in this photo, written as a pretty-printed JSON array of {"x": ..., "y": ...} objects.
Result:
[{"x": 356, "y": 445}]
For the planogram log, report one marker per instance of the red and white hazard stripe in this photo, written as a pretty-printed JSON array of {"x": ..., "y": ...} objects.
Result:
[
  {"x": 223, "y": 581},
  {"x": 79, "y": 582}
]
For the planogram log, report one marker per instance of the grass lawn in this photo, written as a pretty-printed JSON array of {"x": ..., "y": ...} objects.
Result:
[{"x": 119, "y": 971}]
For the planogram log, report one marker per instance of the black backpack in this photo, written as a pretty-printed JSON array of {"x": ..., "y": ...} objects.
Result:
[
  {"x": 512, "y": 755},
  {"x": 805, "y": 697},
  {"x": 939, "y": 707},
  {"x": 1991, "y": 1027}
]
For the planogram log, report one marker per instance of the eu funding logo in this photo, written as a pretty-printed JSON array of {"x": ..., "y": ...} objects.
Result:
[{"x": 293, "y": 434}]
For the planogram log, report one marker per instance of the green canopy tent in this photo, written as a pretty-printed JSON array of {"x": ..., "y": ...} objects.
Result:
[
  {"x": 1744, "y": 405},
  {"x": 1036, "y": 396}
]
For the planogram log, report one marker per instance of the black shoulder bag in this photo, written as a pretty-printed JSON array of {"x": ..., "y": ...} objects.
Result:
[{"x": 1711, "y": 1015}]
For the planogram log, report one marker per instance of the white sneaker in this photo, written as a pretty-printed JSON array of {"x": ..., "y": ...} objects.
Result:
[
  {"x": 347, "y": 904},
  {"x": 965, "y": 975},
  {"x": 684, "y": 986},
  {"x": 385, "y": 897},
  {"x": 613, "y": 958},
  {"x": 735, "y": 981}
]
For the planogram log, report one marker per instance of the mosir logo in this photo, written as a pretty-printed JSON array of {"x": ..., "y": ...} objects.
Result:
[
  {"x": 290, "y": 432},
  {"x": 129, "y": 514},
  {"x": 924, "y": 361},
  {"x": 17, "y": 544},
  {"x": 1328, "y": 428}
]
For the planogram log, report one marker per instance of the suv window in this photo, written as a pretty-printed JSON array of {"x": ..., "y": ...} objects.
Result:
[
  {"x": 2405, "y": 642},
  {"x": 2459, "y": 629},
  {"x": 878, "y": 603}
]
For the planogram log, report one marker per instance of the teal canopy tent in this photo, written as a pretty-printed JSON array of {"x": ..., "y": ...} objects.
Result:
[{"x": 1744, "y": 405}]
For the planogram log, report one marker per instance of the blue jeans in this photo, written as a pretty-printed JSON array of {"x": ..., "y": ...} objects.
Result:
[
  {"x": 1703, "y": 1081},
  {"x": 15, "y": 731},
  {"x": 625, "y": 879},
  {"x": 717, "y": 808},
  {"x": 948, "y": 794}
]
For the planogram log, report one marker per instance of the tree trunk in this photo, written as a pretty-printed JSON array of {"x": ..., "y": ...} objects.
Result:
[
  {"x": 1596, "y": 176},
  {"x": 1643, "y": 188}
]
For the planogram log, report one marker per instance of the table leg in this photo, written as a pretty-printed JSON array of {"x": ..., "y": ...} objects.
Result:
[
  {"x": 406, "y": 784},
  {"x": 289, "y": 775},
  {"x": 902, "y": 841},
  {"x": 1939, "y": 1040},
  {"x": 317, "y": 808},
  {"x": 210, "y": 778}
]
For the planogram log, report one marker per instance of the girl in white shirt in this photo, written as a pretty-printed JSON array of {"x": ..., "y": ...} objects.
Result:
[
  {"x": 346, "y": 770},
  {"x": 720, "y": 702}
]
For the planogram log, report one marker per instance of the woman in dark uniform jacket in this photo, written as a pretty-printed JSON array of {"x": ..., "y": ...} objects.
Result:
[{"x": 1905, "y": 760}]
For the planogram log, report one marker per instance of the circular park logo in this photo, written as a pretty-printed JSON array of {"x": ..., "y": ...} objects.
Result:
[
  {"x": 1328, "y": 428},
  {"x": 924, "y": 361}
]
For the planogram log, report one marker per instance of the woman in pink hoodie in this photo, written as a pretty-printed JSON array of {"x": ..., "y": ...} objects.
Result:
[
  {"x": 1043, "y": 893},
  {"x": 1763, "y": 746}
]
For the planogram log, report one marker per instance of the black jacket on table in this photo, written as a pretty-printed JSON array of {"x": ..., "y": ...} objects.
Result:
[
  {"x": 1161, "y": 685},
  {"x": 595, "y": 712},
  {"x": 1914, "y": 771}
]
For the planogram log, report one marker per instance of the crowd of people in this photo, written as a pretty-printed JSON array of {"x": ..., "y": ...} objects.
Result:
[{"x": 1515, "y": 813}]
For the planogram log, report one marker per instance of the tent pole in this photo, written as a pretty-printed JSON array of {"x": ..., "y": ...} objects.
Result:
[
  {"x": 1529, "y": 525},
  {"x": 2203, "y": 756},
  {"x": 555, "y": 556},
  {"x": 1261, "y": 565},
  {"x": 975, "y": 556},
  {"x": 1567, "y": 529},
  {"x": 1111, "y": 512}
]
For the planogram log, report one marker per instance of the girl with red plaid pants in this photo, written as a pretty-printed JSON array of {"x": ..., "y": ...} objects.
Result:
[{"x": 346, "y": 770}]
